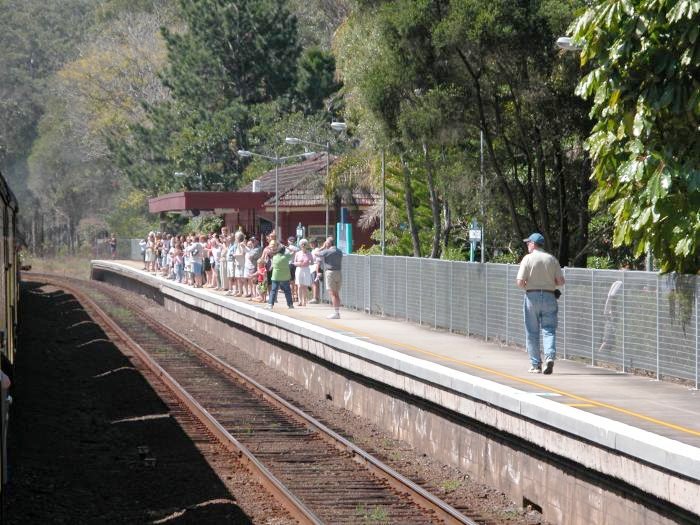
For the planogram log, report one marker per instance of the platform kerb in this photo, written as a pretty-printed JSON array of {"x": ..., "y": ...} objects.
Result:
[{"x": 662, "y": 467}]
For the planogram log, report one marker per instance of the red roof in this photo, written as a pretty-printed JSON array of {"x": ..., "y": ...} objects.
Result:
[
  {"x": 291, "y": 175},
  {"x": 301, "y": 185},
  {"x": 218, "y": 202}
]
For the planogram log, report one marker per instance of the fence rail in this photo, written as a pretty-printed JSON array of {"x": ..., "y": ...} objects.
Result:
[{"x": 631, "y": 320}]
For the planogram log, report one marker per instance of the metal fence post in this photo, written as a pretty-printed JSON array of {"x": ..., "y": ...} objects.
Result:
[
  {"x": 658, "y": 364},
  {"x": 435, "y": 295},
  {"x": 420, "y": 291},
  {"x": 486, "y": 301},
  {"x": 393, "y": 287},
  {"x": 507, "y": 301},
  {"x": 468, "y": 303},
  {"x": 592, "y": 318},
  {"x": 624, "y": 290},
  {"x": 406, "y": 287},
  {"x": 451, "y": 303},
  {"x": 696, "y": 333},
  {"x": 369, "y": 291},
  {"x": 566, "y": 278}
]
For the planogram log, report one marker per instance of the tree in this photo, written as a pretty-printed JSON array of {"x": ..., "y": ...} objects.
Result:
[
  {"x": 233, "y": 57},
  {"x": 90, "y": 99},
  {"x": 73, "y": 71},
  {"x": 643, "y": 60},
  {"x": 244, "y": 50},
  {"x": 316, "y": 79},
  {"x": 66, "y": 182},
  {"x": 425, "y": 79}
]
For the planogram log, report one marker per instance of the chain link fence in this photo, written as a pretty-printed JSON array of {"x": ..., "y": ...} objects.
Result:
[{"x": 631, "y": 320}]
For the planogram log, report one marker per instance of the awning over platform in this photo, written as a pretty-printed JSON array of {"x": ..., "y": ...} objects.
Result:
[{"x": 208, "y": 202}]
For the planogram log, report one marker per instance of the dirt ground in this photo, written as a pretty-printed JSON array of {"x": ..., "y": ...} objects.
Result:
[{"x": 79, "y": 417}]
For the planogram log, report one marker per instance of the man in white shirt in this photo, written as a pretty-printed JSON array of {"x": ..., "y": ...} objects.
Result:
[{"x": 539, "y": 275}]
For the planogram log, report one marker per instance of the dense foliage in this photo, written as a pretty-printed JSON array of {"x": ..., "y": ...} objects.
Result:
[
  {"x": 643, "y": 61},
  {"x": 426, "y": 79},
  {"x": 473, "y": 108}
]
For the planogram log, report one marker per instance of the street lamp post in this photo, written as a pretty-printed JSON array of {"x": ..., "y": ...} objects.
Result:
[
  {"x": 277, "y": 160},
  {"x": 335, "y": 126},
  {"x": 383, "y": 221},
  {"x": 567, "y": 44}
]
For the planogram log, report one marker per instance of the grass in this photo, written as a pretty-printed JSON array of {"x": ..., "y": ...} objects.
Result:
[
  {"x": 394, "y": 455},
  {"x": 65, "y": 266},
  {"x": 451, "y": 485},
  {"x": 376, "y": 515}
]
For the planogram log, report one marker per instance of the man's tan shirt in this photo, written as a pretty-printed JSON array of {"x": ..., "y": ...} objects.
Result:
[{"x": 540, "y": 270}]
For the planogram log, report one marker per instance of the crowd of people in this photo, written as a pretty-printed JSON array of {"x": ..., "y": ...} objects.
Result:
[{"x": 246, "y": 267}]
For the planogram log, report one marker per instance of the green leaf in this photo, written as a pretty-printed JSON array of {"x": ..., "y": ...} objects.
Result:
[
  {"x": 638, "y": 125},
  {"x": 614, "y": 98},
  {"x": 667, "y": 97},
  {"x": 683, "y": 247},
  {"x": 643, "y": 219}
]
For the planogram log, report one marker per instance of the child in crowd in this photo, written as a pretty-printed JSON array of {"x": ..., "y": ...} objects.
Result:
[
  {"x": 260, "y": 277},
  {"x": 178, "y": 263}
]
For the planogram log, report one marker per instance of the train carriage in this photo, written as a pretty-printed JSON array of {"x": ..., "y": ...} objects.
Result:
[{"x": 9, "y": 290}]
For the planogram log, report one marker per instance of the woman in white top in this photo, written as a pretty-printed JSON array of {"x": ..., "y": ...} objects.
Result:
[
  {"x": 239, "y": 261},
  {"x": 151, "y": 252},
  {"x": 303, "y": 261},
  {"x": 189, "y": 278},
  {"x": 214, "y": 261},
  {"x": 230, "y": 264},
  {"x": 249, "y": 269}
]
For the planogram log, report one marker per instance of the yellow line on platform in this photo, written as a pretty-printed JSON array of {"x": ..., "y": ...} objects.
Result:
[
  {"x": 584, "y": 400},
  {"x": 580, "y": 405}
]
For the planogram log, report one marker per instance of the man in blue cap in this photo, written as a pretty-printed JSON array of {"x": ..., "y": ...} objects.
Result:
[{"x": 539, "y": 275}]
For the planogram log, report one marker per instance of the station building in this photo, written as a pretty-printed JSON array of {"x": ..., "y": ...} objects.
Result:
[{"x": 300, "y": 201}]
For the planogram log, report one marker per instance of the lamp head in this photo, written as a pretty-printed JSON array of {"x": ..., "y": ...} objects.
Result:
[
  {"x": 292, "y": 140},
  {"x": 338, "y": 126},
  {"x": 567, "y": 44}
]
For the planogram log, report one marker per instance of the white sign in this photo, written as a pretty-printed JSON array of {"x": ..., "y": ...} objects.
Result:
[{"x": 474, "y": 235}]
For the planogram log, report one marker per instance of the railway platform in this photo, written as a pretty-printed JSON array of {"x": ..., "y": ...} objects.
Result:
[{"x": 596, "y": 437}]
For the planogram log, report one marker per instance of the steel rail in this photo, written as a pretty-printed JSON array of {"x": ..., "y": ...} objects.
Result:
[
  {"x": 398, "y": 482},
  {"x": 297, "y": 509},
  {"x": 418, "y": 494}
]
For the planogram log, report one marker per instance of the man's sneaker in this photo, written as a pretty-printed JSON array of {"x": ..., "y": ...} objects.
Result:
[
  {"x": 290, "y": 306},
  {"x": 334, "y": 315},
  {"x": 548, "y": 366},
  {"x": 535, "y": 370},
  {"x": 268, "y": 306},
  {"x": 313, "y": 301}
]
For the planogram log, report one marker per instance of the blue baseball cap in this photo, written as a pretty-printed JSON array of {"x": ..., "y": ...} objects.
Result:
[{"x": 537, "y": 238}]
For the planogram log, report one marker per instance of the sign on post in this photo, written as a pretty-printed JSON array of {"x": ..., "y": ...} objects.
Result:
[{"x": 475, "y": 237}]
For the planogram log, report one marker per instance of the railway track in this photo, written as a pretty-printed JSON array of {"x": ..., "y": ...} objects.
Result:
[{"x": 316, "y": 474}]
